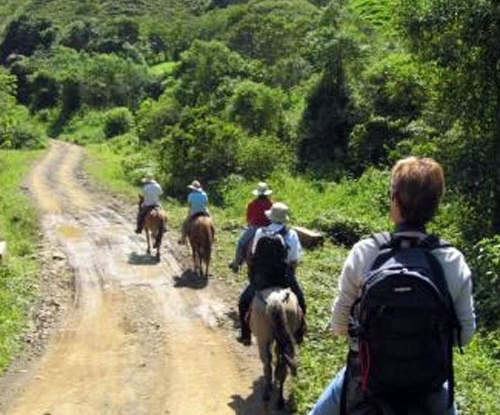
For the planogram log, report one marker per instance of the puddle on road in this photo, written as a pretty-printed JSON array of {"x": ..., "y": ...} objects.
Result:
[{"x": 69, "y": 231}]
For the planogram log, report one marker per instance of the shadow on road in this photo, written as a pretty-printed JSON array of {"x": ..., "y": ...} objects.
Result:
[
  {"x": 190, "y": 279},
  {"x": 252, "y": 405},
  {"x": 141, "y": 259}
]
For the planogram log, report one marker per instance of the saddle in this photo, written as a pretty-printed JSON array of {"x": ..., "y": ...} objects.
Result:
[{"x": 197, "y": 214}]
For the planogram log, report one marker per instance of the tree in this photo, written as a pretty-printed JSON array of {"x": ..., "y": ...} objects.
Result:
[
  {"x": 25, "y": 35},
  {"x": 257, "y": 107},
  {"x": 326, "y": 122},
  {"x": 459, "y": 40},
  {"x": 78, "y": 35},
  {"x": 203, "y": 68}
]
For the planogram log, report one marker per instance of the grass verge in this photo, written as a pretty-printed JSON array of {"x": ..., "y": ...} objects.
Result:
[{"x": 18, "y": 275}]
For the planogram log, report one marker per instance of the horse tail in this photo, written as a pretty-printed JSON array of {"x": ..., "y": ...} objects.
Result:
[{"x": 281, "y": 333}]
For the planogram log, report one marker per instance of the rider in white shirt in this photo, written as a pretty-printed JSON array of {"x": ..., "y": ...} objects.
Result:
[{"x": 150, "y": 199}]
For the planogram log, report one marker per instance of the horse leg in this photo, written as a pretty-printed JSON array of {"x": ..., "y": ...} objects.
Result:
[
  {"x": 193, "y": 252},
  {"x": 149, "y": 242},
  {"x": 267, "y": 358},
  {"x": 280, "y": 376},
  {"x": 207, "y": 264}
]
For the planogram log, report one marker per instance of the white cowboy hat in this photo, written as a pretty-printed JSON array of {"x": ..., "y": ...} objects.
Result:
[
  {"x": 195, "y": 185},
  {"x": 148, "y": 178},
  {"x": 278, "y": 213},
  {"x": 262, "y": 190}
]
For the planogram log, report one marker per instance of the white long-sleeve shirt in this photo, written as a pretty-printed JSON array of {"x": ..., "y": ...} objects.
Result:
[
  {"x": 357, "y": 267},
  {"x": 152, "y": 192}
]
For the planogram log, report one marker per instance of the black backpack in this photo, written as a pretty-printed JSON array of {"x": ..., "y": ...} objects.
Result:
[
  {"x": 269, "y": 266},
  {"x": 404, "y": 322}
]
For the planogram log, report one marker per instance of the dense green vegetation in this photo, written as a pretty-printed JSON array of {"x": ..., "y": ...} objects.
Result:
[
  {"x": 317, "y": 97},
  {"x": 18, "y": 274}
]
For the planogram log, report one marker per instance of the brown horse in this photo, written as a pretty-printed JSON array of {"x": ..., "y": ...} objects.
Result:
[
  {"x": 155, "y": 224},
  {"x": 274, "y": 317},
  {"x": 201, "y": 234}
]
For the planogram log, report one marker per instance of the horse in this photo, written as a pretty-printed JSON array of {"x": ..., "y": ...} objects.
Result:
[
  {"x": 201, "y": 235},
  {"x": 155, "y": 223},
  {"x": 275, "y": 315}
]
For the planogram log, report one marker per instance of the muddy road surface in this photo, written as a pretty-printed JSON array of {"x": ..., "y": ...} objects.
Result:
[{"x": 132, "y": 343}]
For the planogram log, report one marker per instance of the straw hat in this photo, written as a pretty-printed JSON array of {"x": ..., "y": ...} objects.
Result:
[
  {"x": 278, "y": 213},
  {"x": 148, "y": 178},
  {"x": 262, "y": 190},
  {"x": 195, "y": 185}
]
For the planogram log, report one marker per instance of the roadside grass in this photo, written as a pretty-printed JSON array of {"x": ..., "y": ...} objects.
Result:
[
  {"x": 351, "y": 207},
  {"x": 18, "y": 275}
]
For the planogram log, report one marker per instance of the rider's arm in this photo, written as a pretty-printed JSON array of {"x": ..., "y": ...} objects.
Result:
[{"x": 355, "y": 267}]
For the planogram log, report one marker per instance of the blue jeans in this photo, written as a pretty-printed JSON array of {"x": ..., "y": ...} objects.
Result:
[
  {"x": 329, "y": 401},
  {"x": 242, "y": 244}
]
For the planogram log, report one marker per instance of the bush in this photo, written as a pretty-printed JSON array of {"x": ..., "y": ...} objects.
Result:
[
  {"x": 118, "y": 121},
  {"x": 260, "y": 156},
  {"x": 204, "y": 149},
  {"x": 257, "y": 107},
  {"x": 485, "y": 262}
]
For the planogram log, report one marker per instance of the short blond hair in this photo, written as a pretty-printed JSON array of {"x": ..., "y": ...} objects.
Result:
[{"x": 417, "y": 184}]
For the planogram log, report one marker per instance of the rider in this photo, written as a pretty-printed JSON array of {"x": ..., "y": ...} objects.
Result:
[
  {"x": 417, "y": 185},
  {"x": 197, "y": 201},
  {"x": 278, "y": 214},
  {"x": 256, "y": 218},
  {"x": 150, "y": 199}
]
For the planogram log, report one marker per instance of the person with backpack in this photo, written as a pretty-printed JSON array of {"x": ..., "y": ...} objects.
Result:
[
  {"x": 276, "y": 250},
  {"x": 404, "y": 300},
  {"x": 256, "y": 218}
]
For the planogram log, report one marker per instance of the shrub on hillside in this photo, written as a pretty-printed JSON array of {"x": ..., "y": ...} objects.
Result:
[
  {"x": 203, "y": 68},
  {"x": 485, "y": 263},
  {"x": 25, "y": 35},
  {"x": 257, "y": 107},
  {"x": 260, "y": 156},
  {"x": 204, "y": 149},
  {"x": 118, "y": 121},
  {"x": 154, "y": 116}
]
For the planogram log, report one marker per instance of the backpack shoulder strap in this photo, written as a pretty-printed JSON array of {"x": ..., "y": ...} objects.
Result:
[
  {"x": 383, "y": 239},
  {"x": 433, "y": 242}
]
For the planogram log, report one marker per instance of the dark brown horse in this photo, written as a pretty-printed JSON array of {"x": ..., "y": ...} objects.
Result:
[
  {"x": 155, "y": 224},
  {"x": 274, "y": 317},
  {"x": 201, "y": 234}
]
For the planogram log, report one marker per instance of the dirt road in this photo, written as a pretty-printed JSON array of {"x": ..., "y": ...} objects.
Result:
[{"x": 133, "y": 343}]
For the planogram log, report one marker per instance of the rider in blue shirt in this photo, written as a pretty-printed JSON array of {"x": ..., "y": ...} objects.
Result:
[{"x": 197, "y": 201}]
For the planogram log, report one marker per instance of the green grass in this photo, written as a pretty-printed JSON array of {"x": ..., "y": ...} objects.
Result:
[
  {"x": 322, "y": 354},
  {"x": 18, "y": 226},
  {"x": 104, "y": 166},
  {"x": 163, "y": 69}
]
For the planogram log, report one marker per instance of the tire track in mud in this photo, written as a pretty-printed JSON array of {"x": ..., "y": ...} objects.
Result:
[{"x": 133, "y": 344}]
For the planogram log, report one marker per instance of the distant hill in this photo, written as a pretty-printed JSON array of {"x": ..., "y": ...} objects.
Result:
[{"x": 62, "y": 12}]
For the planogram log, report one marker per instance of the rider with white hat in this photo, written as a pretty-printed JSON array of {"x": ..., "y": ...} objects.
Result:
[
  {"x": 150, "y": 198},
  {"x": 197, "y": 201}
]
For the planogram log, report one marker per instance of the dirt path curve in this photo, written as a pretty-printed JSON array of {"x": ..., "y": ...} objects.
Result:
[{"x": 133, "y": 344}]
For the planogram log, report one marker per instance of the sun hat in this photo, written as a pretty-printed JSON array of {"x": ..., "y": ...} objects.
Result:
[
  {"x": 278, "y": 213},
  {"x": 195, "y": 185},
  {"x": 262, "y": 190},
  {"x": 149, "y": 177}
]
